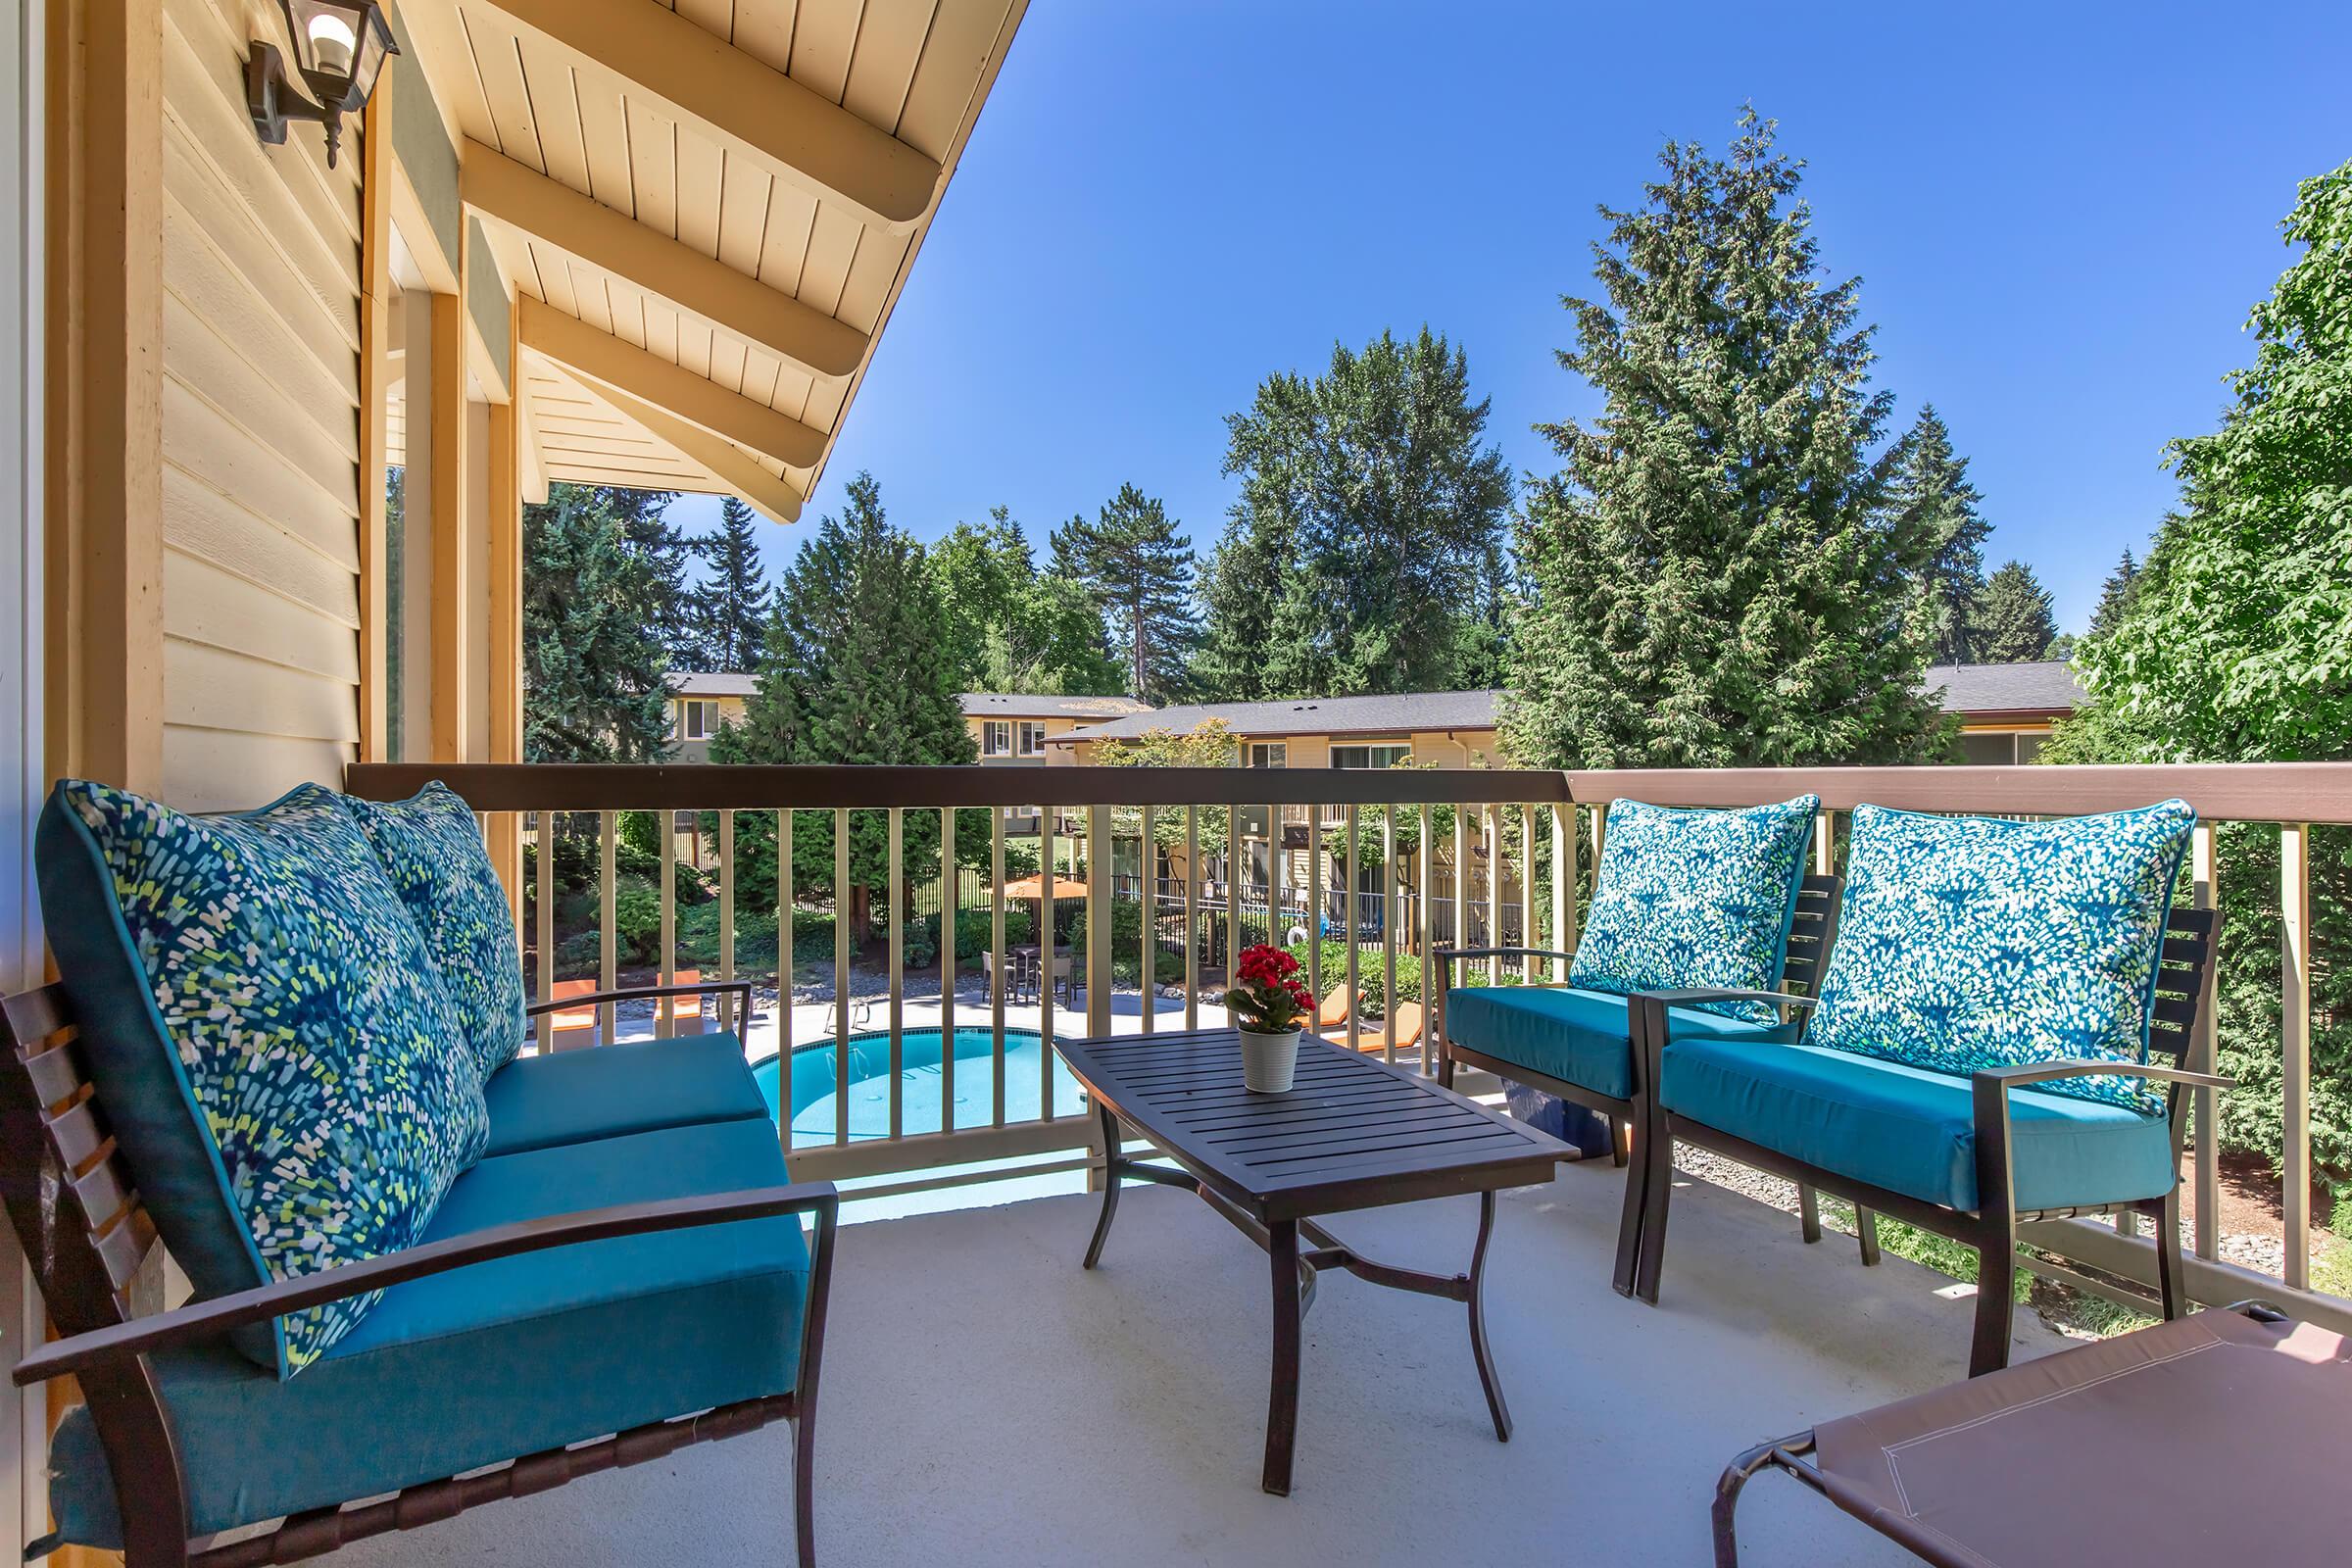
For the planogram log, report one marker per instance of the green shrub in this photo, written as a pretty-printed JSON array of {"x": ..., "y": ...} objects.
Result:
[{"x": 1371, "y": 987}]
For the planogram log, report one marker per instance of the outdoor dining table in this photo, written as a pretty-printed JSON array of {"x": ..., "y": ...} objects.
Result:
[{"x": 1353, "y": 1133}]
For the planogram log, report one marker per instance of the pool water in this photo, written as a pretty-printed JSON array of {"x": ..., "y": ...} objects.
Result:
[{"x": 814, "y": 1084}]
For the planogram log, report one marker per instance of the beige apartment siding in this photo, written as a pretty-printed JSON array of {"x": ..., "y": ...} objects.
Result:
[
  {"x": 1055, "y": 756},
  {"x": 260, "y": 433}
]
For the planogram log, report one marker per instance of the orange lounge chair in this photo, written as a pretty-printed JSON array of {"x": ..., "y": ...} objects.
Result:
[{"x": 1408, "y": 1019}]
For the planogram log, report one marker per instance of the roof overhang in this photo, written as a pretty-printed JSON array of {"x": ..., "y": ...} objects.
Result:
[{"x": 705, "y": 228}]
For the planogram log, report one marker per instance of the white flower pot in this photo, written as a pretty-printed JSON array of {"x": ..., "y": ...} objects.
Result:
[{"x": 1268, "y": 1060}]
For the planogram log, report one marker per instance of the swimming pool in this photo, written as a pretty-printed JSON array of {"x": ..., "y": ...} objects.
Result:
[{"x": 921, "y": 1083}]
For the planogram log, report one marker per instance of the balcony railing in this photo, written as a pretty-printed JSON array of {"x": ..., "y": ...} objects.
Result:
[{"x": 1470, "y": 853}]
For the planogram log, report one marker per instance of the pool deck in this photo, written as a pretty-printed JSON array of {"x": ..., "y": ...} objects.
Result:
[{"x": 987, "y": 1403}]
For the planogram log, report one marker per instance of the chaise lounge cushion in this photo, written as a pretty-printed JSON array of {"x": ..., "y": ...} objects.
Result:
[
  {"x": 1911, "y": 1129},
  {"x": 502, "y": 1359},
  {"x": 270, "y": 1039},
  {"x": 1967, "y": 943},
  {"x": 608, "y": 1091},
  {"x": 1690, "y": 899},
  {"x": 1579, "y": 1036},
  {"x": 432, "y": 850}
]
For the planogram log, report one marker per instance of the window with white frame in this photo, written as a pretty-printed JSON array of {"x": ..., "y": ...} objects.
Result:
[
  {"x": 1030, "y": 737},
  {"x": 698, "y": 720},
  {"x": 1370, "y": 756},
  {"x": 995, "y": 738}
]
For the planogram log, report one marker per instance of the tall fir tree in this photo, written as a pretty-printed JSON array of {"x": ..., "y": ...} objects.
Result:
[
  {"x": 2014, "y": 620},
  {"x": 1140, "y": 571},
  {"x": 1715, "y": 578},
  {"x": 594, "y": 596},
  {"x": 1930, "y": 492},
  {"x": 2115, "y": 596},
  {"x": 728, "y": 607},
  {"x": 1362, "y": 555},
  {"x": 856, "y": 668}
]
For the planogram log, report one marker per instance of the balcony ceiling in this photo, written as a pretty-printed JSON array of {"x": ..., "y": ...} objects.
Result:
[
  {"x": 986, "y": 1403},
  {"x": 731, "y": 191}
]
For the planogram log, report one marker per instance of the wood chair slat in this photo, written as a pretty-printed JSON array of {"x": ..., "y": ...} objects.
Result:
[
  {"x": 103, "y": 1190},
  {"x": 79, "y": 1136},
  {"x": 58, "y": 1073},
  {"x": 124, "y": 1248},
  {"x": 35, "y": 1015}
]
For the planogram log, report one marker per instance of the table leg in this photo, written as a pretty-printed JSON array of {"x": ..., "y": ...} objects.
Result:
[
  {"x": 1478, "y": 1320},
  {"x": 1106, "y": 1123},
  {"x": 1282, "y": 1395}
]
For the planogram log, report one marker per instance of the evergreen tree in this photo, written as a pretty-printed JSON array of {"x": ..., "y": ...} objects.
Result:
[
  {"x": 2014, "y": 623},
  {"x": 661, "y": 546},
  {"x": 2115, "y": 596},
  {"x": 593, "y": 598},
  {"x": 1362, "y": 553},
  {"x": 728, "y": 607},
  {"x": 856, "y": 668},
  {"x": 1140, "y": 571},
  {"x": 1715, "y": 578},
  {"x": 1931, "y": 493}
]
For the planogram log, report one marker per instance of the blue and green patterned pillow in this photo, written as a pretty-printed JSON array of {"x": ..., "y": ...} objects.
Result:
[
  {"x": 1694, "y": 897},
  {"x": 275, "y": 1045},
  {"x": 1967, "y": 942},
  {"x": 431, "y": 848}
]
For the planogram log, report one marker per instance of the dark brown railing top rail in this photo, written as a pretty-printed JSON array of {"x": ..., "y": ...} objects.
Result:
[
  {"x": 712, "y": 787},
  {"x": 2254, "y": 792}
]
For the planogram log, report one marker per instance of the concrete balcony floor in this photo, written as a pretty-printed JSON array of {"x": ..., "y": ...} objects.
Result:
[{"x": 986, "y": 1403}]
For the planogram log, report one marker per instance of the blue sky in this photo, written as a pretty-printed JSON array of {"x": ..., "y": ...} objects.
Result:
[{"x": 2060, "y": 213}]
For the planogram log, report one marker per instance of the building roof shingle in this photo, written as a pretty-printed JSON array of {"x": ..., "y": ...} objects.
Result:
[
  {"x": 711, "y": 684},
  {"x": 2043, "y": 686},
  {"x": 1396, "y": 714}
]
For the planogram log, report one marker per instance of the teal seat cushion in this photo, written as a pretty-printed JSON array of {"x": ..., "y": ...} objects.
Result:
[
  {"x": 1579, "y": 1036},
  {"x": 268, "y": 1034},
  {"x": 1688, "y": 899},
  {"x": 432, "y": 850},
  {"x": 605, "y": 1091},
  {"x": 1966, "y": 943},
  {"x": 1912, "y": 1130},
  {"x": 500, "y": 1359}
]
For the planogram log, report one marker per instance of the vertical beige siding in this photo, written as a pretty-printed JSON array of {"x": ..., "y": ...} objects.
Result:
[{"x": 260, "y": 433}]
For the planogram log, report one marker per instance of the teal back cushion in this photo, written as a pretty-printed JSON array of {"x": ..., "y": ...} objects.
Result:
[
  {"x": 270, "y": 1038},
  {"x": 1967, "y": 943},
  {"x": 1690, "y": 898},
  {"x": 432, "y": 848}
]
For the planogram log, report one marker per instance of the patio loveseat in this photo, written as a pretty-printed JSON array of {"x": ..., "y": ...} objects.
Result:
[
  {"x": 1980, "y": 1051},
  {"x": 285, "y": 1045}
]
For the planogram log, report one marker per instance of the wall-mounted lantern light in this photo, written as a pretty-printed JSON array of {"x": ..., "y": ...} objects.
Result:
[{"x": 340, "y": 47}]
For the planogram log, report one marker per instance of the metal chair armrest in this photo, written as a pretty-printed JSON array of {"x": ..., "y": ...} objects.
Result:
[
  {"x": 1448, "y": 954},
  {"x": 1693, "y": 996},
  {"x": 209, "y": 1320},
  {"x": 2016, "y": 1075},
  {"x": 699, "y": 988}
]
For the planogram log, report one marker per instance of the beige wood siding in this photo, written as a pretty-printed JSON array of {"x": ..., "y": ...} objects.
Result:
[{"x": 260, "y": 433}]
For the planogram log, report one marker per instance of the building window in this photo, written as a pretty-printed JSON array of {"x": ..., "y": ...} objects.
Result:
[
  {"x": 1032, "y": 738},
  {"x": 698, "y": 720},
  {"x": 1370, "y": 756},
  {"x": 1269, "y": 753},
  {"x": 995, "y": 738}
]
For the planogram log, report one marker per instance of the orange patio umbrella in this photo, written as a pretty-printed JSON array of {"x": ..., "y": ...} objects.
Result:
[{"x": 1032, "y": 888}]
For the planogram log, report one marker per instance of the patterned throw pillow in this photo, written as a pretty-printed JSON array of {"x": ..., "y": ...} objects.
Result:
[
  {"x": 1696, "y": 899},
  {"x": 310, "y": 1026},
  {"x": 431, "y": 848},
  {"x": 1967, "y": 942}
]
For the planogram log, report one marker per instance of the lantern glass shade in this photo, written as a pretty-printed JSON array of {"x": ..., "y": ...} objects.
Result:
[{"x": 341, "y": 46}]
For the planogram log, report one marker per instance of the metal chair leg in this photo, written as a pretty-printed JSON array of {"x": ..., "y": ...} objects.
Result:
[
  {"x": 1996, "y": 1308},
  {"x": 2169, "y": 1279},
  {"x": 1866, "y": 1230}
]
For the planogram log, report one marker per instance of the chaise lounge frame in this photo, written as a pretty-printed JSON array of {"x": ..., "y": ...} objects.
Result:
[
  {"x": 87, "y": 1236},
  {"x": 1810, "y": 935},
  {"x": 2184, "y": 958}
]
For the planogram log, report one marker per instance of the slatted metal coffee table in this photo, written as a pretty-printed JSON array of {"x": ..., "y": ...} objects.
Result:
[{"x": 1353, "y": 1133}]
